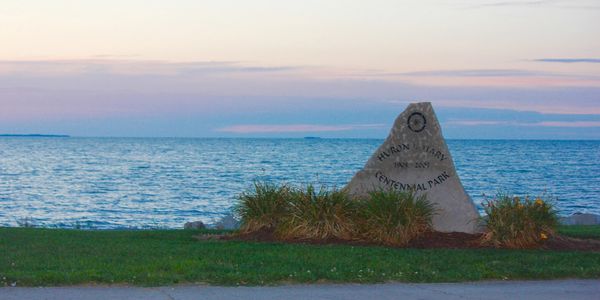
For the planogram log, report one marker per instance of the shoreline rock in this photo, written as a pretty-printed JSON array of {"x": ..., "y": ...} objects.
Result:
[
  {"x": 228, "y": 222},
  {"x": 194, "y": 225},
  {"x": 580, "y": 219}
]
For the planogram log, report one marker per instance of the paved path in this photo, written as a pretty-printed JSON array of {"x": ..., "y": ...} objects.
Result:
[{"x": 546, "y": 290}]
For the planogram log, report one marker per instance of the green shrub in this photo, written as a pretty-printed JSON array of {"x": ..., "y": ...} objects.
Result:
[
  {"x": 394, "y": 218},
  {"x": 386, "y": 217},
  {"x": 318, "y": 214},
  {"x": 263, "y": 207},
  {"x": 513, "y": 222}
]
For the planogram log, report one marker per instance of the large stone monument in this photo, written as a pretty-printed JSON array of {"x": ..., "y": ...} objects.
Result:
[{"x": 415, "y": 157}]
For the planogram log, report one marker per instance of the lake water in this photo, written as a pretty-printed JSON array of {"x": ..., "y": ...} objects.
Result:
[{"x": 163, "y": 182}]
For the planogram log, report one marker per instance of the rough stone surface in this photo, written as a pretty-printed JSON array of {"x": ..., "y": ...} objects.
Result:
[
  {"x": 194, "y": 225},
  {"x": 415, "y": 157},
  {"x": 581, "y": 219},
  {"x": 228, "y": 222}
]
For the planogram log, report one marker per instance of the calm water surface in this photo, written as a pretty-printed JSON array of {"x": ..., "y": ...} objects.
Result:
[{"x": 164, "y": 182}]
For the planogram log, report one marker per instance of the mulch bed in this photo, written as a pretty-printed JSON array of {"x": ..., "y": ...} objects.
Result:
[
  {"x": 568, "y": 243},
  {"x": 430, "y": 240}
]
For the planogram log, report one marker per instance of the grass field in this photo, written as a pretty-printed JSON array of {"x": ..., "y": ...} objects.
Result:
[
  {"x": 42, "y": 257},
  {"x": 583, "y": 232}
]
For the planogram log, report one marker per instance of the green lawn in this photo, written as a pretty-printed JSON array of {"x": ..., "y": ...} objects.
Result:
[
  {"x": 34, "y": 257},
  {"x": 579, "y": 231}
]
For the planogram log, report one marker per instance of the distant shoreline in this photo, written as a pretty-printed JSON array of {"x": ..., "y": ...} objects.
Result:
[{"x": 34, "y": 135}]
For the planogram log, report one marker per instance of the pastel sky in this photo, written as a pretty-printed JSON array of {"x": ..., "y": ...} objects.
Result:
[{"x": 492, "y": 69}]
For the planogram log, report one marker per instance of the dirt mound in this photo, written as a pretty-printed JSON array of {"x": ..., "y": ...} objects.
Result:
[
  {"x": 452, "y": 240},
  {"x": 429, "y": 240},
  {"x": 568, "y": 243}
]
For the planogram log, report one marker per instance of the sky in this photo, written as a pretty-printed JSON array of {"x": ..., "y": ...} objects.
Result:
[{"x": 492, "y": 69}]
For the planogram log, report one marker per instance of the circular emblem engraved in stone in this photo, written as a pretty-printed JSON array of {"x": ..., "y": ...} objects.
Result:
[{"x": 416, "y": 122}]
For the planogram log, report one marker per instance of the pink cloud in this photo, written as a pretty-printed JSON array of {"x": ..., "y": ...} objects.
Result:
[
  {"x": 546, "y": 107},
  {"x": 476, "y": 122},
  {"x": 571, "y": 124},
  {"x": 30, "y": 90},
  {"x": 254, "y": 128}
]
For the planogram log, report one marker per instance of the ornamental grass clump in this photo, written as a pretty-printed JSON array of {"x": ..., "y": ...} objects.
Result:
[
  {"x": 394, "y": 218},
  {"x": 318, "y": 214},
  {"x": 263, "y": 207},
  {"x": 513, "y": 222}
]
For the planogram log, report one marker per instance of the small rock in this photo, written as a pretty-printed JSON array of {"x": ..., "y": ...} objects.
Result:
[
  {"x": 194, "y": 225},
  {"x": 581, "y": 219},
  {"x": 228, "y": 222}
]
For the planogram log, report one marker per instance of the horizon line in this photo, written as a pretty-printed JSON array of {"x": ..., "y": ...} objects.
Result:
[{"x": 310, "y": 137}]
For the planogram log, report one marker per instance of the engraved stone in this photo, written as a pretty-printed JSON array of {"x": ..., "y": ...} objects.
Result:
[{"x": 415, "y": 157}]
